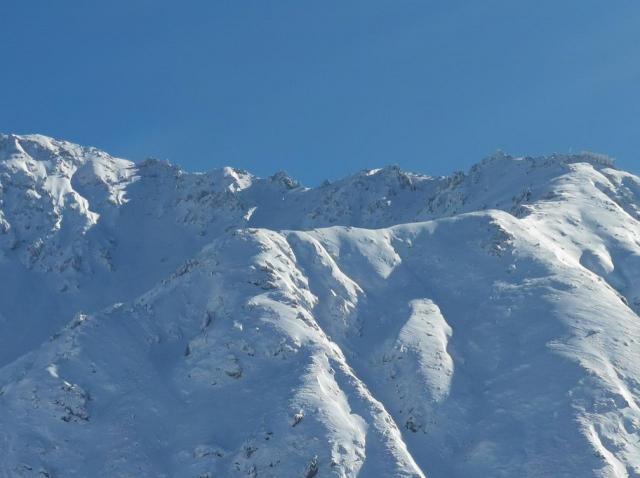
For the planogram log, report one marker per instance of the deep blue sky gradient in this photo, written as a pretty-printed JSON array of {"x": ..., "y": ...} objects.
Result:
[{"x": 323, "y": 89}]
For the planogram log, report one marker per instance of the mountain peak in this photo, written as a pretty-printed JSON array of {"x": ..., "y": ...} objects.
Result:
[
  {"x": 44, "y": 148},
  {"x": 283, "y": 179}
]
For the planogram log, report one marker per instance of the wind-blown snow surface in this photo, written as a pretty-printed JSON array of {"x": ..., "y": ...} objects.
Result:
[{"x": 155, "y": 322}]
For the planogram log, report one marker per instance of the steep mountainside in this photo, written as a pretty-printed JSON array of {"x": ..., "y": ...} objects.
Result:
[{"x": 155, "y": 322}]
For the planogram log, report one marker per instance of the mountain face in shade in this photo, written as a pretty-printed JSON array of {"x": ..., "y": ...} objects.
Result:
[{"x": 155, "y": 322}]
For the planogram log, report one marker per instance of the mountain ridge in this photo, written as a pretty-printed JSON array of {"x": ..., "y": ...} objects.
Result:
[{"x": 393, "y": 324}]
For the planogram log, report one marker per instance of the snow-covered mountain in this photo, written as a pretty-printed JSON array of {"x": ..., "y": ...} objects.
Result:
[{"x": 155, "y": 322}]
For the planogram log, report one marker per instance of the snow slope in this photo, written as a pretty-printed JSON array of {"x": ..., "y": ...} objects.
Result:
[{"x": 155, "y": 322}]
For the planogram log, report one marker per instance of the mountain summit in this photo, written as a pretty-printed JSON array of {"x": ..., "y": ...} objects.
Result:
[{"x": 161, "y": 323}]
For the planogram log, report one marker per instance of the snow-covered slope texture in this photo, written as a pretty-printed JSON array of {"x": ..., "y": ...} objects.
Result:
[{"x": 156, "y": 323}]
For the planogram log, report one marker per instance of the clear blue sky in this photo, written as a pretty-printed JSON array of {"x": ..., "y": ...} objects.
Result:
[{"x": 323, "y": 89}]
